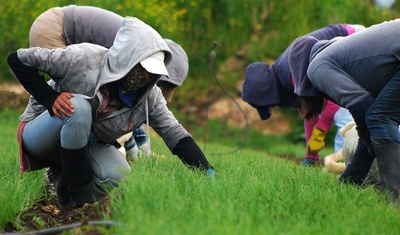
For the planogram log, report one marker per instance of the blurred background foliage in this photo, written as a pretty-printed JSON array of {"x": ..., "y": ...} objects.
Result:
[
  {"x": 264, "y": 27},
  {"x": 246, "y": 30}
]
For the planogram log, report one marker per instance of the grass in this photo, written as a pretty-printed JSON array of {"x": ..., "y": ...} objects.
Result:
[
  {"x": 253, "y": 193},
  {"x": 17, "y": 190}
]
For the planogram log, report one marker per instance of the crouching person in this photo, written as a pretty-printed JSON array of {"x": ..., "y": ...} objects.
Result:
[{"x": 95, "y": 96}]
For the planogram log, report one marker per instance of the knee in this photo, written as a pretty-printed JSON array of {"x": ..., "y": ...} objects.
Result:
[
  {"x": 111, "y": 176},
  {"x": 81, "y": 105},
  {"x": 372, "y": 117},
  {"x": 108, "y": 165},
  {"x": 82, "y": 110}
]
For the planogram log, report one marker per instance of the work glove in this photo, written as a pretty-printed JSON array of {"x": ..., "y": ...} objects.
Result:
[{"x": 316, "y": 141}]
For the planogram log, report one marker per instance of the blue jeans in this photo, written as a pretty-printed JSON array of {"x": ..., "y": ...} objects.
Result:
[
  {"x": 43, "y": 135},
  {"x": 138, "y": 138},
  {"x": 341, "y": 118},
  {"x": 383, "y": 117}
]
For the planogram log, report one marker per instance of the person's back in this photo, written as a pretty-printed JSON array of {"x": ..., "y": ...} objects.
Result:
[{"x": 269, "y": 86}]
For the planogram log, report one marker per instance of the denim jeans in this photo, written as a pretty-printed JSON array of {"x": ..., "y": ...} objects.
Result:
[
  {"x": 43, "y": 135},
  {"x": 341, "y": 118},
  {"x": 383, "y": 117},
  {"x": 138, "y": 138}
]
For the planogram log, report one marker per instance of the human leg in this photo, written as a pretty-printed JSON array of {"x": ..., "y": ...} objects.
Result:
[
  {"x": 131, "y": 148},
  {"x": 142, "y": 141},
  {"x": 140, "y": 136},
  {"x": 359, "y": 165},
  {"x": 78, "y": 175},
  {"x": 108, "y": 165},
  {"x": 74, "y": 155},
  {"x": 64, "y": 143},
  {"x": 383, "y": 120}
]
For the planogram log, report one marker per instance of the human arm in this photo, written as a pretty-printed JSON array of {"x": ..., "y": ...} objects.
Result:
[
  {"x": 30, "y": 78},
  {"x": 178, "y": 140},
  {"x": 335, "y": 30},
  {"x": 190, "y": 154},
  {"x": 317, "y": 139},
  {"x": 353, "y": 28}
]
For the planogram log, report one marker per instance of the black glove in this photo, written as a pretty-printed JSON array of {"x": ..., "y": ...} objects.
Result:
[{"x": 190, "y": 154}]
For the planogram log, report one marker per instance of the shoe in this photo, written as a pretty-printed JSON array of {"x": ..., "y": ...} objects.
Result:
[{"x": 309, "y": 162}]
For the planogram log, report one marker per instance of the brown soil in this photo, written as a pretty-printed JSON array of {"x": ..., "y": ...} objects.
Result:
[
  {"x": 12, "y": 96},
  {"x": 48, "y": 214}
]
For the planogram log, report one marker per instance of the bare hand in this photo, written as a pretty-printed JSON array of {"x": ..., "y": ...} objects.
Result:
[{"x": 63, "y": 106}]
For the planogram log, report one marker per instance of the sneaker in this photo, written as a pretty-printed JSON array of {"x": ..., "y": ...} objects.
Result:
[{"x": 309, "y": 162}]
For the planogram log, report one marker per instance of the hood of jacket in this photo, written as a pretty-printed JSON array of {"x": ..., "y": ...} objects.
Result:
[
  {"x": 299, "y": 59},
  {"x": 134, "y": 42}
]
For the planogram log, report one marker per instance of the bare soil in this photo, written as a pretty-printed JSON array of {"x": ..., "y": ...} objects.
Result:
[{"x": 47, "y": 216}]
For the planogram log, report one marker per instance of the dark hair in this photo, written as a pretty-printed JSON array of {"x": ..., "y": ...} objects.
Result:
[{"x": 311, "y": 107}]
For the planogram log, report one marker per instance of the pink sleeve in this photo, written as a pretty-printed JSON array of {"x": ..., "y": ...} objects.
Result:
[
  {"x": 350, "y": 30},
  {"x": 353, "y": 28},
  {"x": 326, "y": 117}
]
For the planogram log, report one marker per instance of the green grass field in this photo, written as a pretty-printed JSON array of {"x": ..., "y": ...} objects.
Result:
[{"x": 254, "y": 193}]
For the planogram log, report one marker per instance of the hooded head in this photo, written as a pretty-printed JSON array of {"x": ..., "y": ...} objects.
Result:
[
  {"x": 136, "y": 42},
  {"x": 299, "y": 59},
  {"x": 177, "y": 70},
  {"x": 260, "y": 88}
]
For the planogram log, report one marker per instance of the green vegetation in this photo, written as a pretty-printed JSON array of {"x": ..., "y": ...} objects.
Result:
[
  {"x": 17, "y": 190},
  {"x": 254, "y": 193},
  {"x": 246, "y": 31},
  {"x": 263, "y": 28}
]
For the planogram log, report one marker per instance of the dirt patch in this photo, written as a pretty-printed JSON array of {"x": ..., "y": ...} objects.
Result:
[
  {"x": 12, "y": 96},
  {"x": 236, "y": 112},
  {"x": 12, "y": 88},
  {"x": 48, "y": 217}
]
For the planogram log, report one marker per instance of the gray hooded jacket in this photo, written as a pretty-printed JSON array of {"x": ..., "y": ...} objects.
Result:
[{"x": 82, "y": 68}]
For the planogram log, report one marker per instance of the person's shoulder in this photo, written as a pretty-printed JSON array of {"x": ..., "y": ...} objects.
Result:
[{"x": 87, "y": 47}]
